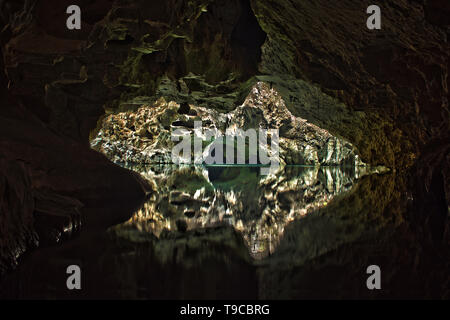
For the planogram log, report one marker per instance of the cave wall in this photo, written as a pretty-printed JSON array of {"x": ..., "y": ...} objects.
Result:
[
  {"x": 397, "y": 76},
  {"x": 122, "y": 51},
  {"x": 46, "y": 177},
  {"x": 385, "y": 91}
]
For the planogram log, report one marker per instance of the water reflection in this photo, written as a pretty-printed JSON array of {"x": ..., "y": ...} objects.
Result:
[{"x": 259, "y": 207}]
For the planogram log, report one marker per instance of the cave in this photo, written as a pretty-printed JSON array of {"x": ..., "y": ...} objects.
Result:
[{"x": 88, "y": 176}]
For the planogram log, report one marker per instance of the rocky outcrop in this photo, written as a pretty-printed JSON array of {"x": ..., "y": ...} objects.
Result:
[
  {"x": 369, "y": 87},
  {"x": 385, "y": 92},
  {"x": 145, "y": 135},
  {"x": 397, "y": 76}
]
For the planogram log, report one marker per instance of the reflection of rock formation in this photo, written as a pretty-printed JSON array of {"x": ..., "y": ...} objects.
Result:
[
  {"x": 145, "y": 135},
  {"x": 259, "y": 207},
  {"x": 16, "y": 208}
]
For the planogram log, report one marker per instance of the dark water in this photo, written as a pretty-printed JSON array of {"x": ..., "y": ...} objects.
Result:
[
  {"x": 230, "y": 233},
  {"x": 258, "y": 207}
]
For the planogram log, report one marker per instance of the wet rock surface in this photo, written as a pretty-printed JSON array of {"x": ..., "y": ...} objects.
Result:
[
  {"x": 397, "y": 77},
  {"x": 146, "y": 135},
  {"x": 384, "y": 92}
]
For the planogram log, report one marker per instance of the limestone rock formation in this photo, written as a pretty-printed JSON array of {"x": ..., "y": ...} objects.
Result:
[
  {"x": 394, "y": 104},
  {"x": 145, "y": 135},
  {"x": 385, "y": 92}
]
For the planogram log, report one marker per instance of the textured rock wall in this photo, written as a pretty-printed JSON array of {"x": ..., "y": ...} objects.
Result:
[
  {"x": 384, "y": 91},
  {"x": 145, "y": 135},
  {"x": 391, "y": 85},
  {"x": 397, "y": 76}
]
